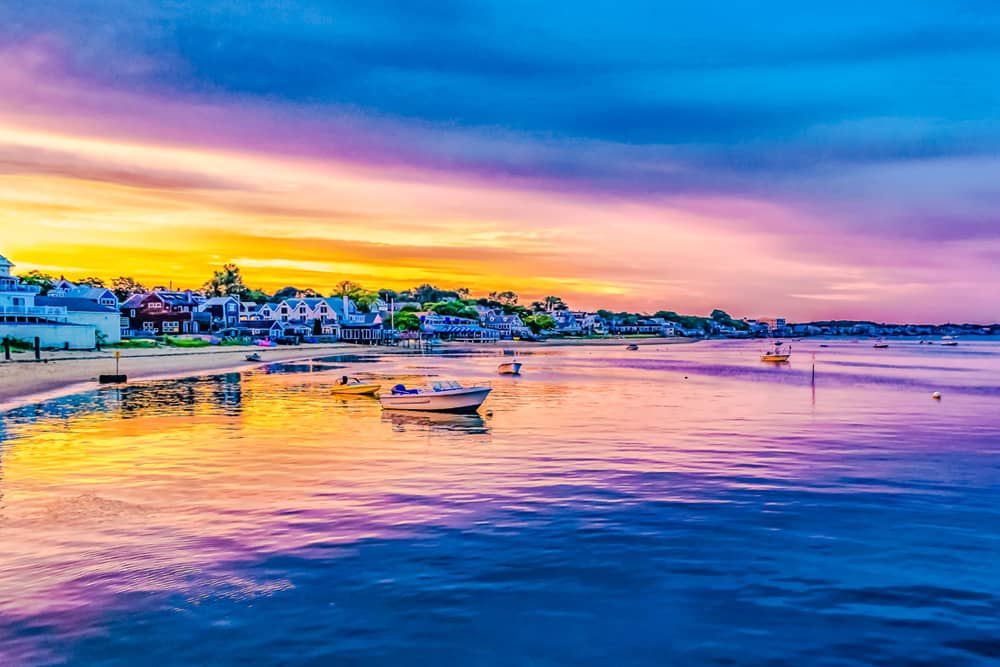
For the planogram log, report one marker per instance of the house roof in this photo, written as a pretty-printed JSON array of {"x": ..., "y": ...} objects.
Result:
[
  {"x": 5, "y": 262},
  {"x": 177, "y": 298},
  {"x": 92, "y": 293},
  {"x": 74, "y": 304},
  {"x": 219, "y": 301},
  {"x": 134, "y": 301}
]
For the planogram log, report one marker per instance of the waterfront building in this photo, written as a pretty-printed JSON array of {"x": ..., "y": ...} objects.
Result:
[
  {"x": 158, "y": 313},
  {"x": 222, "y": 311},
  {"x": 21, "y": 318}
]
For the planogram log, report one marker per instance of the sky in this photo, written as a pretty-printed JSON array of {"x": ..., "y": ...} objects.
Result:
[{"x": 771, "y": 159}]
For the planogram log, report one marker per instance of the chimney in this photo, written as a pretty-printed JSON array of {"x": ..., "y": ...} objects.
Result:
[{"x": 346, "y": 312}]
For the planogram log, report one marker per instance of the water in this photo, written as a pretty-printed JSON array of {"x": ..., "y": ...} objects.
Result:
[{"x": 681, "y": 505}]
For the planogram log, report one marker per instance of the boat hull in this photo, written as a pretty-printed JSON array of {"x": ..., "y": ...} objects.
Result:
[
  {"x": 511, "y": 368},
  {"x": 356, "y": 389},
  {"x": 456, "y": 400},
  {"x": 775, "y": 358}
]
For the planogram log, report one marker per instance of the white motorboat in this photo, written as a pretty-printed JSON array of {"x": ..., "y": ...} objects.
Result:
[
  {"x": 440, "y": 397},
  {"x": 948, "y": 341},
  {"x": 509, "y": 368}
]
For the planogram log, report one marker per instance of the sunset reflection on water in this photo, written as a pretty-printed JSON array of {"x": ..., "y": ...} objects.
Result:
[{"x": 603, "y": 489}]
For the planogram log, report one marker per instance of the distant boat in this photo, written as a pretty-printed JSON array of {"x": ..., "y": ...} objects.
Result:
[
  {"x": 777, "y": 343},
  {"x": 880, "y": 344},
  {"x": 948, "y": 341},
  {"x": 253, "y": 357},
  {"x": 776, "y": 356},
  {"x": 509, "y": 368},
  {"x": 823, "y": 345},
  {"x": 632, "y": 346},
  {"x": 348, "y": 385},
  {"x": 441, "y": 397}
]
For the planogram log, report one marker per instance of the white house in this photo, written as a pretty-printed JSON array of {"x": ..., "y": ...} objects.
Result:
[
  {"x": 106, "y": 319},
  {"x": 21, "y": 318}
]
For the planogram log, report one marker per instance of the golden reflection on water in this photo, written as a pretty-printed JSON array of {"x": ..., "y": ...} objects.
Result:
[{"x": 148, "y": 488}]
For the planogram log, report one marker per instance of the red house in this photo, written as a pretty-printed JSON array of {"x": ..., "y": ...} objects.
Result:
[{"x": 158, "y": 313}]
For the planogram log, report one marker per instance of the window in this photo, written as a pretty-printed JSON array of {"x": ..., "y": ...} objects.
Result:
[
  {"x": 170, "y": 327},
  {"x": 149, "y": 326},
  {"x": 154, "y": 305}
]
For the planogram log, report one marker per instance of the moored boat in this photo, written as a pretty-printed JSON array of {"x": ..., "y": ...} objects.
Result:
[
  {"x": 632, "y": 347},
  {"x": 253, "y": 357},
  {"x": 354, "y": 386},
  {"x": 775, "y": 356},
  {"x": 880, "y": 344},
  {"x": 948, "y": 341},
  {"x": 509, "y": 368},
  {"x": 440, "y": 397}
]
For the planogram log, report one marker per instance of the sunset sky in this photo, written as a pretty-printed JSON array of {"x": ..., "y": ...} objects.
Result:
[{"x": 759, "y": 157}]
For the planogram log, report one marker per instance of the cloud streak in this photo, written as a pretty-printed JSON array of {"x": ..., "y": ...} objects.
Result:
[{"x": 660, "y": 154}]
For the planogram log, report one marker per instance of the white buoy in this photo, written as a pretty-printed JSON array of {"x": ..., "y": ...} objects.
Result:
[{"x": 936, "y": 395}]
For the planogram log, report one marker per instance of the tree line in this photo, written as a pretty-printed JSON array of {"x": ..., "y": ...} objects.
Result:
[{"x": 458, "y": 302}]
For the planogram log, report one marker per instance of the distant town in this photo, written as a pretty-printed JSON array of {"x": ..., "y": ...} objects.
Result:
[{"x": 87, "y": 313}]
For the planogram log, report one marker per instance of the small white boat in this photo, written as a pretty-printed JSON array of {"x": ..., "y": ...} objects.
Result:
[
  {"x": 509, "y": 368},
  {"x": 880, "y": 344},
  {"x": 440, "y": 397},
  {"x": 948, "y": 341}
]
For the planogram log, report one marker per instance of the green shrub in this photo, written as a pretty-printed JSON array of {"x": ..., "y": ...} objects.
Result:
[
  {"x": 18, "y": 345},
  {"x": 185, "y": 342},
  {"x": 144, "y": 343}
]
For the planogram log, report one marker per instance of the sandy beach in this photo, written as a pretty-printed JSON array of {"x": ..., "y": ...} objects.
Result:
[{"x": 24, "y": 380}]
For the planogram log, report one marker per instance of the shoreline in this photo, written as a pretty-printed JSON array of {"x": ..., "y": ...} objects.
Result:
[{"x": 24, "y": 381}]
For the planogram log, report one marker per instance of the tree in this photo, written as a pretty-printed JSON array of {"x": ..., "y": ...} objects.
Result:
[
  {"x": 285, "y": 293},
  {"x": 361, "y": 297},
  {"x": 539, "y": 322},
  {"x": 255, "y": 295},
  {"x": 38, "y": 279},
  {"x": 407, "y": 321},
  {"x": 126, "y": 286},
  {"x": 427, "y": 293},
  {"x": 90, "y": 281},
  {"x": 462, "y": 292},
  {"x": 454, "y": 308},
  {"x": 538, "y": 306},
  {"x": 347, "y": 288},
  {"x": 366, "y": 300},
  {"x": 720, "y": 316},
  {"x": 506, "y": 298},
  {"x": 226, "y": 282},
  {"x": 555, "y": 303},
  {"x": 387, "y": 294}
]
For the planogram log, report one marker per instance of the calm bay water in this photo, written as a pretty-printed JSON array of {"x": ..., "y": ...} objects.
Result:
[{"x": 680, "y": 505}]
